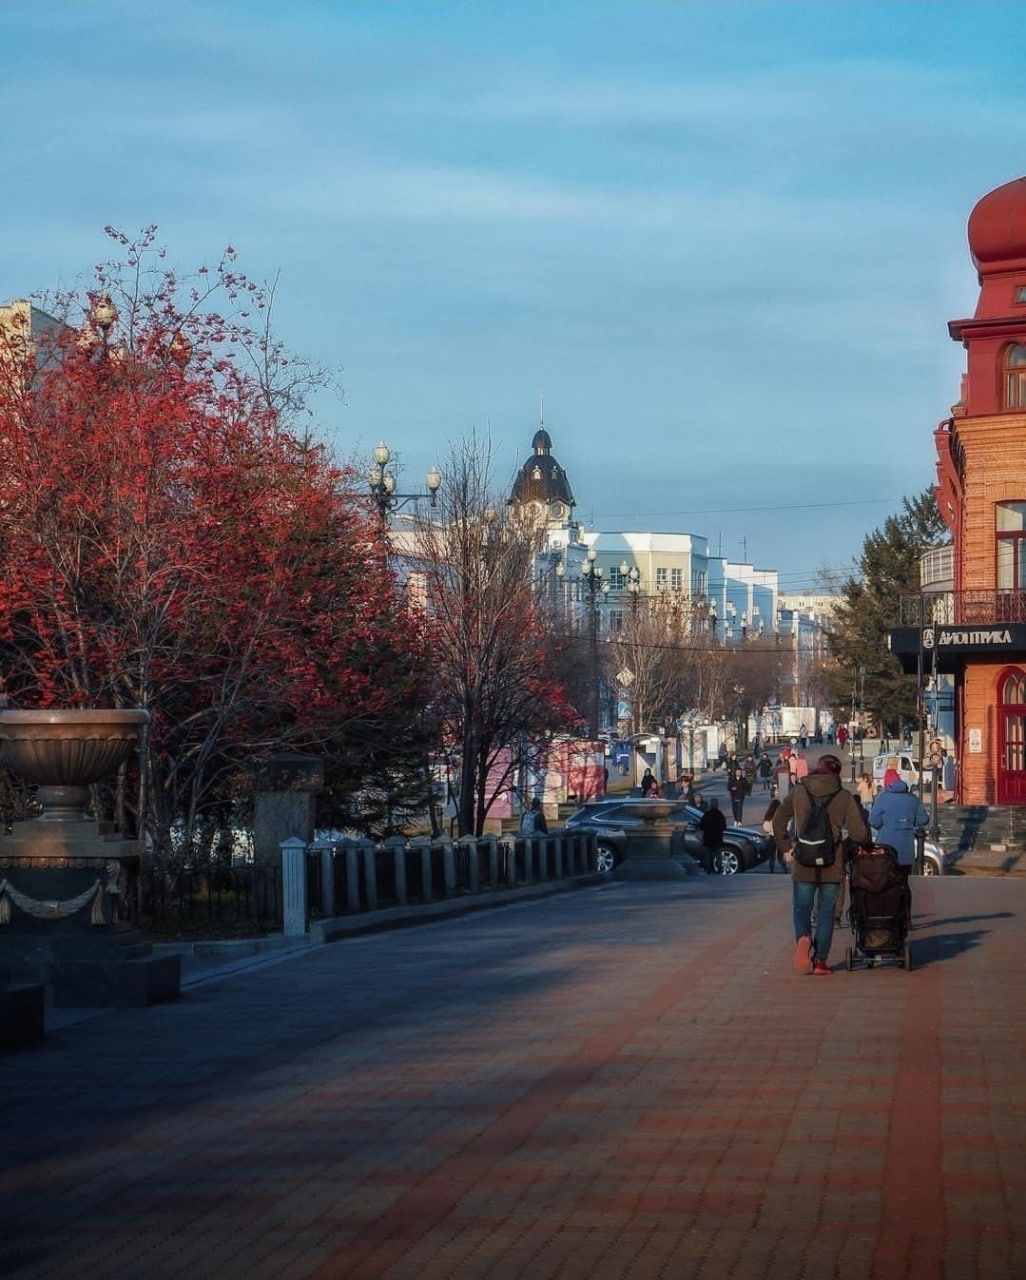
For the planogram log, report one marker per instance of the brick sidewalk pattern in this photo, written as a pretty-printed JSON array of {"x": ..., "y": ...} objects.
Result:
[{"x": 628, "y": 1080}]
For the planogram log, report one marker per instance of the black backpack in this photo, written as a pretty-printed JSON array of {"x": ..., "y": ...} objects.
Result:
[{"x": 815, "y": 845}]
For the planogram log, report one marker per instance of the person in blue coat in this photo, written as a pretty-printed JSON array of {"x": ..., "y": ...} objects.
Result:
[{"x": 895, "y": 817}]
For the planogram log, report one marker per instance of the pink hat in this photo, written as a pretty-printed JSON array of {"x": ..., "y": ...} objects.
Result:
[{"x": 892, "y": 775}]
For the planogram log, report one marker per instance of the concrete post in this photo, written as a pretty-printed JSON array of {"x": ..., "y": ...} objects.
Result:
[
  {"x": 286, "y": 794},
  {"x": 293, "y": 886}
]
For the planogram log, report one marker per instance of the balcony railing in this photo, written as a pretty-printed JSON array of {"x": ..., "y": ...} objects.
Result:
[{"x": 955, "y": 608}]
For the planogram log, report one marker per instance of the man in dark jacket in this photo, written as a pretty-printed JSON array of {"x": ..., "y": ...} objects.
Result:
[
  {"x": 817, "y": 887},
  {"x": 712, "y": 825}
]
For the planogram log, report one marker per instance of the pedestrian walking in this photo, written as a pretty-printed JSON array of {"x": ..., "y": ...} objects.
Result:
[
  {"x": 737, "y": 789},
  {"x": 782, "y": 773},
  {"x": 799, "y": 767},
  {"x": 647, "y": 782},
  {"x": 842, "y": 735},
  {"x": 865, "y": 790},
  {"x": 765, "y": 771},
  {"x": 816, "y": 888},
  {"x": 532, "y": 820},
  {"x": 896, "y": 816},
  {"x": 803, "y": 737},
  {"x": 712, "y": 825}
]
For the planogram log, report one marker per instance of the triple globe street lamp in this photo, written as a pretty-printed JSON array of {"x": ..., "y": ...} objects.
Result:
[
  {"x": 632, "y": 575},
  {"x": 382, "y": 485},
  {"x": 591, "y": 574},
  {"x": 94, "y": 339}
]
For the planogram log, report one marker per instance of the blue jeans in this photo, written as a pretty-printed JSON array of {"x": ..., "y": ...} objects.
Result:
[{"x": 803, "y": 897}]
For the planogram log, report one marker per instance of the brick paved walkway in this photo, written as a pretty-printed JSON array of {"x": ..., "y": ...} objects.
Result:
[{"x": 624, "y": 1081}]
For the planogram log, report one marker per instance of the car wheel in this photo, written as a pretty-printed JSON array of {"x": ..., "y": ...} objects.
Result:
[
  {"x": 929, "y": 867},
  {"x": 605, "y": 858},
  {"x": 729, "y": 861}
]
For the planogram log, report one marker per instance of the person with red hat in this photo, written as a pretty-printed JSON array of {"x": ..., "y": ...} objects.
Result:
[
  {"x": 818, "y": 887},
  {"x": 897, "y": 814}
]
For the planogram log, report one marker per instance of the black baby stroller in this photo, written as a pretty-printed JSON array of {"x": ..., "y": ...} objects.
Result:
[{"x": 879, "y": 909}]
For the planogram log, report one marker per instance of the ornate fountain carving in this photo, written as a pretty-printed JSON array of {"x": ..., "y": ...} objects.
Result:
[
  {"x": 65, "y": 877},
  {"x": 64, "y": 752}
]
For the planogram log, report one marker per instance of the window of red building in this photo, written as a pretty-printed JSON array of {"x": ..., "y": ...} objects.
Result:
[
  {"x": 1015, "y": 377},
  {"x": 1010, "y": 521}
]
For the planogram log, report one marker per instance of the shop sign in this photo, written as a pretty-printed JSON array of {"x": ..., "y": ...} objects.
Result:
[{"x": 969, "y": 638}]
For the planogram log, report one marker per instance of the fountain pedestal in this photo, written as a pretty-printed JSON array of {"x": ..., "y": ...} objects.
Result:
[
  {"x": 65, "y": 880},
  {"x": 650, "y": 847}
]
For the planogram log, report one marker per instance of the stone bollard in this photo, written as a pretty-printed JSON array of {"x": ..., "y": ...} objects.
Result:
[{"x": 293, "y": 887}]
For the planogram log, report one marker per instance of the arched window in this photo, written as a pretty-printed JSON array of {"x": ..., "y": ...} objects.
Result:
[
  {"x": 1013, "y": 689},
  {"x": 1015, "y": 377},
  {"x": 1010, "y": 532}
]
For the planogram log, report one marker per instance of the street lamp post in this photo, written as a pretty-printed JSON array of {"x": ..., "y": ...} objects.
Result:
[
  {"x": 382, "y": 485},
  {"x": 713, "y": 619},
  {"x": 633, "y": 577},
  {"x": 742, "y": 726},
  {"x": 690, "y": 721},
  {"x": 597, "y": 589}
]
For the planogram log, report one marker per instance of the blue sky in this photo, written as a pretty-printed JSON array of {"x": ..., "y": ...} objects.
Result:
[{"x": 723, "y": 240}]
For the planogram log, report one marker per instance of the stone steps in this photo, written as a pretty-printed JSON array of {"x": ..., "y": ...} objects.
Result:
[{"x": 983, "y": 837}]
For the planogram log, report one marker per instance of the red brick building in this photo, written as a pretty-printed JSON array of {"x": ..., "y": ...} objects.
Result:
[{"x": 979, "y": 625}]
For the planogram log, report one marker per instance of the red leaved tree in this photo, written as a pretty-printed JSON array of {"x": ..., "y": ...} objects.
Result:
[{"x": 169, "y": 543}]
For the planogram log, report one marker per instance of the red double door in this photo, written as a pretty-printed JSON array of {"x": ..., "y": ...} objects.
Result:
[{"x": 1011, "y": 711}]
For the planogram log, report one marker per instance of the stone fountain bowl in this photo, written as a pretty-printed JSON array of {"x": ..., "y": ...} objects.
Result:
[
  {"x": 64, "y": 752},
  {"x": 651, "y": 810}
]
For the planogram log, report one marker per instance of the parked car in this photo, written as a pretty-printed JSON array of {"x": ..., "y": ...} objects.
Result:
[
  {"x": 613, "y": 819},
  {"x": 935, "y": 859}
]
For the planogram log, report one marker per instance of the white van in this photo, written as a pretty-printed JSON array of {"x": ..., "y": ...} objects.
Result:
[{"x": 905, "y": 765}]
